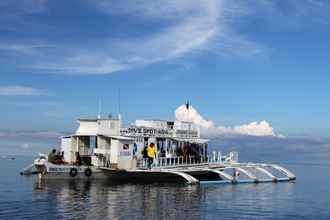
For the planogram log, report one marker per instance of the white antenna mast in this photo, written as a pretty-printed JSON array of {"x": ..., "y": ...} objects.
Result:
[
  {"x": 119, "y": 113},
  {"x": 100, "y": 108},
  {"x": 188, "y": 108}
]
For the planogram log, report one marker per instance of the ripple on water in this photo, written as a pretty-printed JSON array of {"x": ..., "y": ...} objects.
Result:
[{"x": 24, "y": 198}]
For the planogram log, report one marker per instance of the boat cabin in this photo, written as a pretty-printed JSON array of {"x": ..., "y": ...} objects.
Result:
[{"x": 98, "y": 142}]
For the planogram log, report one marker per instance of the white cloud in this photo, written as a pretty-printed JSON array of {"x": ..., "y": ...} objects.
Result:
[
  {"x": 25, "y": 48},
  {"x": 160, "y": 9},
  {"x": 208, "y": 128},
  {"x": 85, "y": 64},
  {"x": 181, "y": 28},
  {"x": 290, "y": 14},
  {"x": 194, "y": 24},
  {"x": 172, "y": 29},
  {"x": 263, "y": 128},
  {"x": 192, "y": 115},
  {"x": 17, "y": 90}
]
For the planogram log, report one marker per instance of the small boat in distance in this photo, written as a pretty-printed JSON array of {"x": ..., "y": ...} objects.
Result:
[
  {"x": 103, "y": 148},
  {"x": 9, "y": 157}
]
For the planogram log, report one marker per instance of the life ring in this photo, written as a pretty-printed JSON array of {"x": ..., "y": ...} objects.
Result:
[
  {"x": 73, "y": 172},
  {"x": 88, "y": 172}
]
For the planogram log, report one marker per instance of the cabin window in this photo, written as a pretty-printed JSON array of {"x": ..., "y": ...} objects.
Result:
[{"x": 161, "y": 146}]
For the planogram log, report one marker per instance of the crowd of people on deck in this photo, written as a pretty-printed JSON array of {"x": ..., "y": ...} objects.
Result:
[
  {"x": 56, "y": 157},
  {"x": 150, "y": 153}
]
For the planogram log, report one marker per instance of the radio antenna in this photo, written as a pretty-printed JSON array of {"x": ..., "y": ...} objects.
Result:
[
  {"x": 119, "y": 100},
  {"x": 100, "y": 109},
  {"x": 119, "y": 110}
]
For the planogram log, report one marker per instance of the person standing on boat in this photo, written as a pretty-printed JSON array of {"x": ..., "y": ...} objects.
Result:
[
  {"x": 151, "y": 153},
  {"x": 78, "y": 159},
  {"x": 51, "y": 156}
]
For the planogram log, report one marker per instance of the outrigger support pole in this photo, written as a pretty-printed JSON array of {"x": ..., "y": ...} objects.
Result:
[
  {"x": 248, "y": 173},
  {"x": 190, "y": 179},
  {"x": 263, "y": 170}
]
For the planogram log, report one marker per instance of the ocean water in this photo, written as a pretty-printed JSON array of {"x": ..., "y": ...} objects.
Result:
[{"x": 307, "y": 198}]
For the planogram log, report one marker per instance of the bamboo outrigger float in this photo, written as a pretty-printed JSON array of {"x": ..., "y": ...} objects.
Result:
[{"x": 102, "y": 148}]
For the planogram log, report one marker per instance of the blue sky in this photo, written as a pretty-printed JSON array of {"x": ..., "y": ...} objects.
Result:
[{"x": 236, "y": 61}]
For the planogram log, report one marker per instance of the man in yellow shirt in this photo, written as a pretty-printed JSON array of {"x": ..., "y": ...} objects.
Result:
[{"x": 151, "y": 153}]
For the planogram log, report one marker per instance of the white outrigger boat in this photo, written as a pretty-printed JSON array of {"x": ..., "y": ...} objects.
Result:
[{"x": 102, "y": 148}]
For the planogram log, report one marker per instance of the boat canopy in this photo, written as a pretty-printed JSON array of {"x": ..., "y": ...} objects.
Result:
[
  {"x": 78, "y": 135},
  {"x": 121, "y": 138},
  {"x": 192, "y": 140}
]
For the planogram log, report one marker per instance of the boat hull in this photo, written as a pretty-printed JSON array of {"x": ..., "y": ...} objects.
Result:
[{"x": 53, "y": 171}]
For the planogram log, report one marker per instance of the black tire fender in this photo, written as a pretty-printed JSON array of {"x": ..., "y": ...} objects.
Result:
[
  {"x": 73, "y": 172},
  {"x": 88, "y": 172}
]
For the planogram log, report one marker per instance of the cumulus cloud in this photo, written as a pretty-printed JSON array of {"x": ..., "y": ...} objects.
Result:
[
  {"x": 192, "y": 115},
  {"x": 17, "y": 90},
  {"x": 208, "y": 128}
]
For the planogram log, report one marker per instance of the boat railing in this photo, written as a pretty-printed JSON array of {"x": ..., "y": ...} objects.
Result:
[{"x": 182, "y": 161}]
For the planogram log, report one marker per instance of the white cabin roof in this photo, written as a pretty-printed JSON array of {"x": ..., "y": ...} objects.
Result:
[
  {"x": 122, "y": 138},
  {"x": 192, "y": 140}
]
